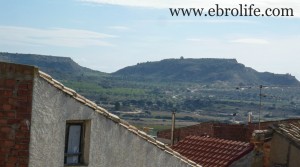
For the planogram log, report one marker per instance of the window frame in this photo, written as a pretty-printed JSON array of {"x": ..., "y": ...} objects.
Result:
[{"x": 82, "y": 144}]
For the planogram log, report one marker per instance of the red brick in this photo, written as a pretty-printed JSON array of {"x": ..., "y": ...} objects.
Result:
[
  {"x": 12, "y": 159},
  {"x": 6, "y": 107},
  {"x": 21, "y": 146},
  {"x": 13, "y": 121},
  {"x": 7, "y": 114},
  {"x": 4, "y": 100},
  {"x": 9, "y": 68},
  {"x": 24, "y": 128},
  {"x": 23, "y": 109},
  {"x": 8, "y": 143},
  {"x": 23, "y": 165},
  {"x": 29, "y": 82},
  {"x": 22, "y": 141},
  {"x": 24, "y": 115},
  {"x": 10, "y": 83},
  {"x": 23, "y": 92},
  {"x": 23, "y": 160},
  {"x": 5, "y": 129},
  {"x": 13, "y": 152},
  {"x": 23, "y": 103},
  {"x": 23, "y": 86},
  {"x": 3, "y": 121},
  {"x": 11, "y": 101},
  {"x": 4, "y": 135},
  {"x": 11, "y": 114},
  {"x": 22, "y": 134},
  {"x": 2, "y": 82},
  {"x": 15, "y": 106},
  {"x": 24, "y": 153},
  {"x": 4, "y": 150},
  {"x": 29, "y": 98},
  {"x": 10, "y": 164},
  {"x": 28, "y": 71},
  {"x": 23, "y": 98},
  {"x": 30, "y": 87},
  {"x": 2, "y": 159},
  {"x": 6, "y": 93}
]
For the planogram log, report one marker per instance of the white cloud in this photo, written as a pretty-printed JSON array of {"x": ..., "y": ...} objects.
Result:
[
  {"x": 54, "y": 37},
  {"x": 263, "y": 4},
  {"x": 250, "y": 41}
]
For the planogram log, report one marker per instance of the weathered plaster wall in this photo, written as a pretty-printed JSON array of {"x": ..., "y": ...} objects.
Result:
[
  {"x": 245, "y": 161},
  {"x": 294, "y": 160},
  {"x": 111, "y": 145},
  {"x": 279, "y": 150}
]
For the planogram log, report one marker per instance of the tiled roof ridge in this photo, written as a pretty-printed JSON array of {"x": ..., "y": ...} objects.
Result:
[
  {"x": 115, "y": 118},
  {"x": 218, "y": 140},
  {"x": 291, "y": 130}
]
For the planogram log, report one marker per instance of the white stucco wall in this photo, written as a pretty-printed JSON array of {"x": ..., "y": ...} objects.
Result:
[{"x": 111, "y": 145}]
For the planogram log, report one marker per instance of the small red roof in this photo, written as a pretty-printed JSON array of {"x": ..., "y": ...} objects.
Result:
[{"x": 212, "y": 152}]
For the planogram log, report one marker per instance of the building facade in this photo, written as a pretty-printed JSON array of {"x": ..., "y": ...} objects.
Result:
[{"x": 45, "y": 124}]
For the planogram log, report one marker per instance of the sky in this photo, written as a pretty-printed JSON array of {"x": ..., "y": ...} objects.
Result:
[{"x": 108, "y": 35}]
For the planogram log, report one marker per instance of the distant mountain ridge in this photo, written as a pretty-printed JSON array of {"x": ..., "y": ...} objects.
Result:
[
  {"x": 54, "y": 65},
  {"x": 205, "y": 70}
]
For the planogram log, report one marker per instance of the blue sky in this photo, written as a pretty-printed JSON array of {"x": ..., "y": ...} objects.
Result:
[{"x": 108, "y": 35}]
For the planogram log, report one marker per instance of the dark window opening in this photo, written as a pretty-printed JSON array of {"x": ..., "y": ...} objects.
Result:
[{"x": 74, "y": 144}]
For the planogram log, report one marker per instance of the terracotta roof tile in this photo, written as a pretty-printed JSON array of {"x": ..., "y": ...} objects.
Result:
[{"x": 212, "y": 152}]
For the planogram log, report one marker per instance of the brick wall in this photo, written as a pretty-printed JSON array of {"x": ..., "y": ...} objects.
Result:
[
  {"x": 16, "y": 83},
  {"x": 237, "y": 132},
  {"x": 202, "y": 129},
  {"x": 230, "y": 131}
]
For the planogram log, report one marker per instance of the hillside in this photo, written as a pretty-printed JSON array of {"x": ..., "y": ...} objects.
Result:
[
  {"x": 206, "y": 71},
  {"x": 199, "y": 89},
  {"x": 59, "y": 67}
]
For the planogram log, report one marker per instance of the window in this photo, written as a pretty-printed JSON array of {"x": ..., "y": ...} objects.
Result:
[{"x": 76, "y": 142}]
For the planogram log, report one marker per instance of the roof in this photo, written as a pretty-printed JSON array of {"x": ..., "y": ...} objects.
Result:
[
  {"x": 115, "y": 118},
  {"x": 290, "y": 131},
  {"x": 212, "y": 152},
  {"x": 238, "y": 132}
]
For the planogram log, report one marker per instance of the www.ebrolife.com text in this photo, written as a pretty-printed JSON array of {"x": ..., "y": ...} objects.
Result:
[{"x": 240, "y": 10}]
